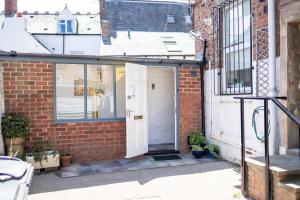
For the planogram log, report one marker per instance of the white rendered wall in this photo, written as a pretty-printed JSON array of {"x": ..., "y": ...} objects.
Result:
[{"x": 222, "y": 115}]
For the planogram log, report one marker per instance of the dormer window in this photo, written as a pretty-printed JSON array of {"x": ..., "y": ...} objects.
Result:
[
  {"x": 66, "y": 22},
  {"x": 65, "y": 26}
]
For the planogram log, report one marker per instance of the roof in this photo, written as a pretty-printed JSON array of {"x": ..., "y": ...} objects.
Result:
[
  {"x": 14, "y": 27},
  {"x": 149, "y": 43},
  {"x": 46, "y": 23},
  {"x": 139, "y": 15},
  {"x": 58, "y": 58},
  {"x": 53, "y": 6}
]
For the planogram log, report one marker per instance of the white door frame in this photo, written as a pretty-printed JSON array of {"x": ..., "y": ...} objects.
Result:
[{"x": 176, "y": 108}]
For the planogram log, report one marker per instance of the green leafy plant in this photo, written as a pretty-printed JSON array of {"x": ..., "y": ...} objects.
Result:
[
  {"x": 213, "y": 149},
  {"x": 41, "y": 151},
  {"x": 14, "y": 125},
  {"x": 196, "y": 148},
  {"x": 197, "y": 139}
]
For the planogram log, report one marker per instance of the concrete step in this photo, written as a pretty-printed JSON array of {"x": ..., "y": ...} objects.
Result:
[
  {"x": 291, "y": 187},
  {"x": 294, "y": 152},
  {"x": 282, "y": 165}
]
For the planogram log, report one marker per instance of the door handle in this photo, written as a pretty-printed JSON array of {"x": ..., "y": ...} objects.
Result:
[{"x": 128, "y": 112}]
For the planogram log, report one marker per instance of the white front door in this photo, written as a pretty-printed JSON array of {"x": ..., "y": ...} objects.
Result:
[{"x": 136, "y": 110}]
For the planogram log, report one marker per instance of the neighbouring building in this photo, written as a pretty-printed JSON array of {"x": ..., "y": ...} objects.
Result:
[
  {"x": 147, "y": 28},
  {"x": 253, "y": 50},
  {"x": 101, "y": 107},
  {"x": 53, "y": 33}
]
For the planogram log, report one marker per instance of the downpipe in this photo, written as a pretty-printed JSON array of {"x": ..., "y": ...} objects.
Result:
[{"x": 272, "y": 75}]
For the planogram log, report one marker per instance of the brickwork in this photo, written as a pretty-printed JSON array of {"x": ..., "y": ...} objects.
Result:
[
  {"x": 256, "y": 184},
  {"x": 28, "y": 90},
  {"x": 203, "y": 22},
  {"x": 190, "y": 104}
]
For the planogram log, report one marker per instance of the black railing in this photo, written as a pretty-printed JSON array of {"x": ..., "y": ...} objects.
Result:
[{"x": 293, "y": 117}]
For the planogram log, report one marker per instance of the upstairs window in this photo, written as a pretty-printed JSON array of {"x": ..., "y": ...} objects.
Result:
[
  {"x": 233, "y": 53},
  {"x": 65, "y": 26}
]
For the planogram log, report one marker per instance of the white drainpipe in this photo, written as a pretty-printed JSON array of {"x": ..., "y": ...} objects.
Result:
[{"x": 272, "y": 74}]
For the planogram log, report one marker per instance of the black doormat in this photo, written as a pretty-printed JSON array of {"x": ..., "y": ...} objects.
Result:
[{"x": 166, "y": 157}]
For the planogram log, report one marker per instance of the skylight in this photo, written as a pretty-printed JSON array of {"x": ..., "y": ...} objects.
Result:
[
  {"x": 171, "y": 19},
  {"x": 171, "y": 44},
  {"x": 188, "y": 19}
]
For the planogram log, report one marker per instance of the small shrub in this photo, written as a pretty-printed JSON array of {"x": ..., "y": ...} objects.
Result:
[
  {"x": 14, "y": 125},
  {"x": 213, "y": 149},
  {"x": 197, "y": 139},
  {"x": 40, "y": 151},
  {"x": 196, "y": 148}
]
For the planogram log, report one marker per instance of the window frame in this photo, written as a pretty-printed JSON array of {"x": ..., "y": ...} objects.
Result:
[
  {"x": 240, "y": 46},
  {"x": 65, "y": 22},
  {"x": 86, "y": 119}
]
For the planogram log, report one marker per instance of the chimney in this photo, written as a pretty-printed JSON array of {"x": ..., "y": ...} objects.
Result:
[
  {"x": 102, "y": 9},
  {"x": 11, "y": 8},
  {"x": 105, "y": 28}
]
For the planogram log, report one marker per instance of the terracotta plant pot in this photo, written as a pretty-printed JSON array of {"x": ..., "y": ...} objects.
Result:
[
  {"x": 17, "y": 145},
  {"x": 65, "y": 160}
]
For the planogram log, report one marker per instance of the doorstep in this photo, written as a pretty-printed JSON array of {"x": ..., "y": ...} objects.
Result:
[{"x": 124, "y": 165}]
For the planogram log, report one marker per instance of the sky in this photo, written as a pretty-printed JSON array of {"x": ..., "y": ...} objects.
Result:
[{"x": 52, "y": 6}]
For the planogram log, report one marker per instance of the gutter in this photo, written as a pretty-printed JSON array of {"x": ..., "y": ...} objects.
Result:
[{"x": 58, "y": 58}]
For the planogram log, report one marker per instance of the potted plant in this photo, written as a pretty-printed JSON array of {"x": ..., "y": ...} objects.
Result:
[
  {"x": 65, "y": 158},
  {"x": 43, "y": 157},
  {"x": 196, "y": 139},
  {"x": 197, "y": 151},
  {"x": 14, "y": 129},
  {"x": 212, "y": 150}
]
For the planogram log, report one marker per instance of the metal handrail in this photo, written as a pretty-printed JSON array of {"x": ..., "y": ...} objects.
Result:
[{"x": 293, "y": 117}]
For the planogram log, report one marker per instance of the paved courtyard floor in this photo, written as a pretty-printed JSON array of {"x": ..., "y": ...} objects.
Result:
[
  {"x": 217, "y": 180},
  {"x": 122, "y": 165}
]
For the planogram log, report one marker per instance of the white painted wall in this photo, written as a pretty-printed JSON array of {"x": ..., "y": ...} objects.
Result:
[
  {"x": 161, "y": 106},
  {"x": 223, "y": 122},
  {"x": 74, "y": 44}
]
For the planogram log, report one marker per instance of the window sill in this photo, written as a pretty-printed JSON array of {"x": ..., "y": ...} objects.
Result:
[{"x": 88, "y": 120}]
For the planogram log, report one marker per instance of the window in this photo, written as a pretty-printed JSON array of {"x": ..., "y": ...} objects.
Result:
[
  {"x": 235, "y": 51},
  {"x": 65, "y": 26},
  {"x": 90, "y": 92},
  {"x": 188, "y": 19},
  {"x": 171, "y": 19}
]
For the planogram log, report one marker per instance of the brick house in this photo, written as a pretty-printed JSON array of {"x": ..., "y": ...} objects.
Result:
[
  {"x": 252, "y": 51},
  {"x": 103, "y": 108}
]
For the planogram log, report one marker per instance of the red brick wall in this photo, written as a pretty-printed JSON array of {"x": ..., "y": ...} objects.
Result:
[
  {"x": 28, "y": 90},
  {"x": 190, "y": 104},
  {"x": 203, "y": 22}
]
